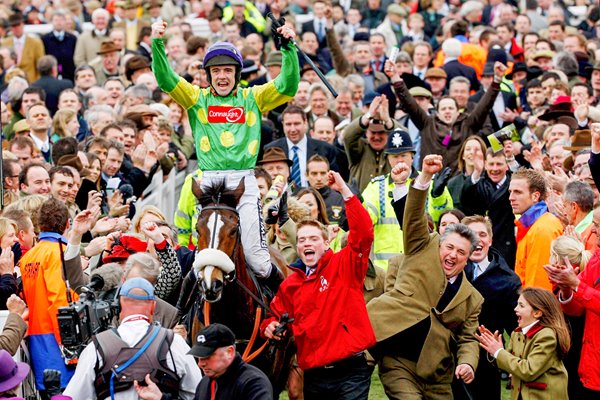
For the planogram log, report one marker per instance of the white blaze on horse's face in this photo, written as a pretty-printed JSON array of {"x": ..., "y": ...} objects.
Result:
[{"x": 214, "y": 225}]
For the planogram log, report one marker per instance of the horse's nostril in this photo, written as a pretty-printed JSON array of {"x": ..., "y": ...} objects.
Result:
[{"x": 217, "y": 286}]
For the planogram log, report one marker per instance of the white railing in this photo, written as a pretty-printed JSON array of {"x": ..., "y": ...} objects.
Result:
[{"x": 164, "y": 194}]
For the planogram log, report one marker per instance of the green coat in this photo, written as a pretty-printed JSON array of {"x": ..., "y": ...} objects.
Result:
[
  {"x": 533, "y": 361},
  {"x": 419, "y": 286}
]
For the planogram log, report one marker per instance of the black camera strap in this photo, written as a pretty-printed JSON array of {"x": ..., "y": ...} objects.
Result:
[{"x": 64, "y": 269}]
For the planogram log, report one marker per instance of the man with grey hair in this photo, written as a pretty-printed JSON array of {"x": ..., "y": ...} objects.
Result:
[
  {"x": 47, "y": 67},
  {"x": 413, "y": 324},
  {"x": 98, "y": 117},
  {"x": 472, "y": 11},
  {"x": 137, "y": 94},
  {"x": 452, "y": 49},
  {"x": 567, "y": 63},
  {"x": 578, "y": 209},
  {"x": 89, "y": 42}
]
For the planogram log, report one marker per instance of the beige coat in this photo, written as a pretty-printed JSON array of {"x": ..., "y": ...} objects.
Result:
[
  {"x": 418, "y": 288},
  {"x": 33, "y": 50},
  {"x": 532, "y": 359}
]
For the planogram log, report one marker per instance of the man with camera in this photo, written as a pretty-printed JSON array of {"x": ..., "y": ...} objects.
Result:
[{"x": 111, "y": 363}]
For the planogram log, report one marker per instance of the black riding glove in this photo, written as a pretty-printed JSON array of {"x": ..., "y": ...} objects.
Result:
[
  {"x": 278, "y": 39},
  {"x": 52, "y": 382},
  {"x": 283, "y": 209},
  {"x": 440, "y": 181}
]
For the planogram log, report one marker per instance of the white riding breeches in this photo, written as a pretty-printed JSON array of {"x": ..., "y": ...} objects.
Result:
[{"x": 250, "y": 212}]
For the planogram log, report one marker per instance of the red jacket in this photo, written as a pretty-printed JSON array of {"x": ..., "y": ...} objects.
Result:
[
  {"x": 587, "y": 301},
  {"x": 331, "y": 321}
]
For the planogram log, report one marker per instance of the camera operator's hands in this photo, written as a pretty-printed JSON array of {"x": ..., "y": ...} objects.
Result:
[
  {"x": 148, "y": 392},
  {"x": 440, "y": 182},
  {"x": 7, "y": 262},
  {"x": 52, "y": 382},
  {"x": 16, "y": 305}
]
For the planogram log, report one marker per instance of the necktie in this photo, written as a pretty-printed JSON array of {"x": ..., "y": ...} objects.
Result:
[
  {"x": 320, "y": 31},
  {"x": 309, "y": 271},
  {"x": 18, "y": 46},
  {"x": 475, "y": 270},
  {"x": 377, "y": 65},
  {"x": 296, "y": 167}
]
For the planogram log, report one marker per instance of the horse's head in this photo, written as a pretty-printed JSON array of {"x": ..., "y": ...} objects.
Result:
[{"x": 219, "y": 243}]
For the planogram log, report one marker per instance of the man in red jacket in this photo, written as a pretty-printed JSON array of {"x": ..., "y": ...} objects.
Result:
[{"x": 324, "y": 296}]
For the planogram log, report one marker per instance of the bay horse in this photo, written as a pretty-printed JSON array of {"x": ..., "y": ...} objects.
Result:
[{"x": 221, "y": 270}]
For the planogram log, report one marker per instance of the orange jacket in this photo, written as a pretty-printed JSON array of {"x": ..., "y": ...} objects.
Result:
[
  {"x": 44, "y": 287},
  {"x": 533, "y": 251}
]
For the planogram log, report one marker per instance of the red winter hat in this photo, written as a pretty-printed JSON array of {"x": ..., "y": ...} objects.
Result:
[{"x": 124, "y": 247}]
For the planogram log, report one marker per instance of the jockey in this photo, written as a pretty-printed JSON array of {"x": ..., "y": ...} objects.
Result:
[{"x": 226, "y": 124}]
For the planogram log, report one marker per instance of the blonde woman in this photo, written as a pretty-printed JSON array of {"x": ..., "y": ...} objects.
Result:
[
  {"x": 148, "y": 213},
  {"x": 64, "y": 124},
  {"x": 568, "y": 247}
]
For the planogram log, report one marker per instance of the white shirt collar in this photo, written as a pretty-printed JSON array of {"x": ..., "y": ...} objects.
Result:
[
  {"x": 42, "y": 145},
  {"x": 453, "y": 279},
  {"x": 302, "y": 144},
  {"x": 482, "y": 265},
  {"x": 528, "y": 327}
]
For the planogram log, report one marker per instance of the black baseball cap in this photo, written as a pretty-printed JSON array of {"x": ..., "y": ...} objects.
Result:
[{"x": 210, "y": 339}]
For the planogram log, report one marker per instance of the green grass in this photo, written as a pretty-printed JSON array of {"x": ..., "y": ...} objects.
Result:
[{"x": 377, "y": 393}]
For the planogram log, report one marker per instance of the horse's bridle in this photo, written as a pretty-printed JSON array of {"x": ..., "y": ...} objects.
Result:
[{"x": 218, "y": 207}]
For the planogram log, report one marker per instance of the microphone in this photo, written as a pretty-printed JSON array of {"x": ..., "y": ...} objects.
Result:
[
  {"x": 126, "y": 191},
  {"x": 96, "y": 282},
  {"x": 111, "y": 275}
]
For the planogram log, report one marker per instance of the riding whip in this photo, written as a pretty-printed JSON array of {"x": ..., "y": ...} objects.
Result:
[{"x": 310, "y": 62}]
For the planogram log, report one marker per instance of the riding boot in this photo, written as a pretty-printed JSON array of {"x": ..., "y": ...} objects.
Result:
[{"x": 273, "y": 281}]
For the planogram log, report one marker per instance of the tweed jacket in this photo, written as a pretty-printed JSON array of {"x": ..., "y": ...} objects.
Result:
[
  {"x": 418, "y": 288},
  {"x": 33, "y": 50},
  {"x": 532, "y": 359}
]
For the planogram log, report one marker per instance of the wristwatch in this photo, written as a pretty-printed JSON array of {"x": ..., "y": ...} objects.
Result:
[{"x": 368, "y": 115}]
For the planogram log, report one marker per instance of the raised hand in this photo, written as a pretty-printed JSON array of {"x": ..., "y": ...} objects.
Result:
[
  {"x": 400, "y": 173},
  {"x": 16, "y": 305},
  {"x": 152, "y": 232},
  {"x": 432, "y": 164},
  {"x": 7, "y": 262},
  {"x": 390, "y": 70},
  {"x": 499, "y": 70},
  {"x": 158, "y": 29}
]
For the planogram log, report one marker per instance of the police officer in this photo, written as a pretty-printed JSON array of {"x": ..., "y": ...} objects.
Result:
[{"x": 382, "y": 190}]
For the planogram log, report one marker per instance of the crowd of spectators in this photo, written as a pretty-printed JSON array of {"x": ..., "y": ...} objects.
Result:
[{"x": 507, "y": 93}]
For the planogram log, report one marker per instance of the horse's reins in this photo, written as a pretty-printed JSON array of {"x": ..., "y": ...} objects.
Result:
[{"x": 247, "y": 357}]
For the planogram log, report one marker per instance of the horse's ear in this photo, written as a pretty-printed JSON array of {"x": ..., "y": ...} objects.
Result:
[
  {"x": 196, "y": 189},
  {"x": 239, "y": 191}
]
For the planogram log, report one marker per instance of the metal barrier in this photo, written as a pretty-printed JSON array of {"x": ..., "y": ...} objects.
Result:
[{"x": 164, "y": 193}]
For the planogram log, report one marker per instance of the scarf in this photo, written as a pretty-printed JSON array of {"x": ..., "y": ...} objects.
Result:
[{"x": 529, "y": 217}]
